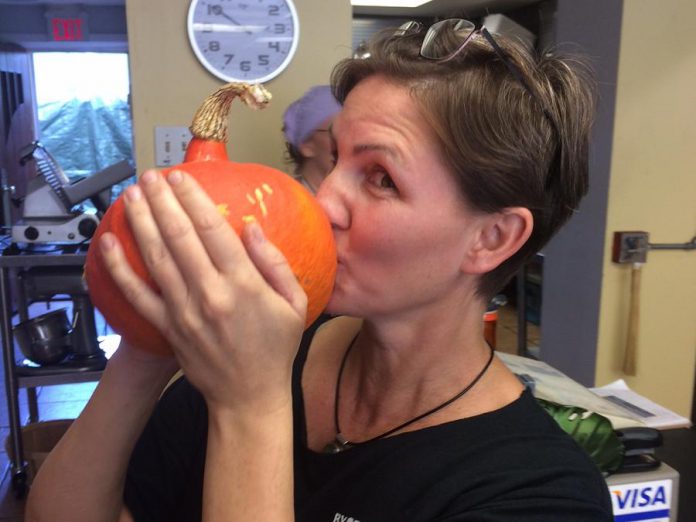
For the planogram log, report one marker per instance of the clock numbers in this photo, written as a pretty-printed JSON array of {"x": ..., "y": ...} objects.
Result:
[{"x": 243, "y": 40}]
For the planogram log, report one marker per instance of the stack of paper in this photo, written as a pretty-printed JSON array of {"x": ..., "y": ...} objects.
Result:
[
  {"x": 623, "y": 407},
  {"x": 652, "y": 415}
]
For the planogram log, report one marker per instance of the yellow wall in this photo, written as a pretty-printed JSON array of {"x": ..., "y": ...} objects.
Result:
[
  {"x": 653, "y": 188},
  {"x": 168, "y": 84}
]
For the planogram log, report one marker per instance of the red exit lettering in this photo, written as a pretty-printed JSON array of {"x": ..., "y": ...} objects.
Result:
[{"x": 66, "y": 29}]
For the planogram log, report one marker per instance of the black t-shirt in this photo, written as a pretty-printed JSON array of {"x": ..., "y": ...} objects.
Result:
[{"x": 513, "y": 464}]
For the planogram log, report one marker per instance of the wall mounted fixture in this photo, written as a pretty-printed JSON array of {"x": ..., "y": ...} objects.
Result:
[{"x": 632, "y": 248}]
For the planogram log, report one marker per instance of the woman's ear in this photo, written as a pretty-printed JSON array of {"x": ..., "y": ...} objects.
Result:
[
  {"x": 308, "y": 148},
  {"x": 500, "y": 235}
]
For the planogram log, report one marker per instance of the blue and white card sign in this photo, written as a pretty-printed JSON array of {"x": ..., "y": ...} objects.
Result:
[{"x": 642, "y": 501}]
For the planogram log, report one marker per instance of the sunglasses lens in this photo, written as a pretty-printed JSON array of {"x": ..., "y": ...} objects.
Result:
[
  {"x": 445, "y": 38},
  {"x": 408, "y": 28}
]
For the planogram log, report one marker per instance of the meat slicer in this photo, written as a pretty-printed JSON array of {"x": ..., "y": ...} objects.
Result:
[{"x": 49, "y": 213}]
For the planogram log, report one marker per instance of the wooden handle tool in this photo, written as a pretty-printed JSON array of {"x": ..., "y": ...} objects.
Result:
[{"x": 630, "y": 354}]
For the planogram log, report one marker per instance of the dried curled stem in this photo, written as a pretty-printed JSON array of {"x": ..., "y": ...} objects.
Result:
[{"x": 210, "y": 120}]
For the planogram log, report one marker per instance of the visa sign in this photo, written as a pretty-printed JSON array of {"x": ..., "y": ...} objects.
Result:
[{"x": 642, "y": 501}]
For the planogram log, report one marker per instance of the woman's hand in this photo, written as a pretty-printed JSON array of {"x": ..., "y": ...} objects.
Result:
[{"x": 232, "y": 309}]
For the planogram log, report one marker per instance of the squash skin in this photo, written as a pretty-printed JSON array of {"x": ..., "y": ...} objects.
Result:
[{"x": 289, "y": 215}]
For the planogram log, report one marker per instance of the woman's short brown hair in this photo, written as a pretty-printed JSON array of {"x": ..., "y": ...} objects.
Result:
[{"x": 496, "y": 136}]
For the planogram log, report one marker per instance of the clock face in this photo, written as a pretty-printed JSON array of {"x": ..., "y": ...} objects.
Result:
[{"x": 243, "y": 40}]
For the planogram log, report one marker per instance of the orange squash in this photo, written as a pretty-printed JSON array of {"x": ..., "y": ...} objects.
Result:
[{"x": 289, "y": 215}]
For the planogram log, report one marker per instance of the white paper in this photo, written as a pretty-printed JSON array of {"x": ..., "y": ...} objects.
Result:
[
  {"x": 555, "y": 386},
  {"x": 653, "y": 415}
]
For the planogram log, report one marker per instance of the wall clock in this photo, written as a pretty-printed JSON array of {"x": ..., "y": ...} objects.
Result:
[{"x": 243, "y": 40}]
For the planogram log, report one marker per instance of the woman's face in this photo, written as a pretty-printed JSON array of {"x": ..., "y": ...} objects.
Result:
[
  {"x": 401, "y": 225},
  {"x": 317, "y": 150}
]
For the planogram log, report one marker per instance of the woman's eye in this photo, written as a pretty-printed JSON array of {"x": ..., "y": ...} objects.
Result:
[
  {"x": 386, "y": 182},
  {"x": 381, "y": 179}
]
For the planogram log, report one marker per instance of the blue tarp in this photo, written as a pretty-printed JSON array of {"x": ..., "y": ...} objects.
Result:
[{"x": 86, "y": 136}]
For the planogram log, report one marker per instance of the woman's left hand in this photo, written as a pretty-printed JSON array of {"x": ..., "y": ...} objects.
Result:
[{"x": 231, "y": 308}]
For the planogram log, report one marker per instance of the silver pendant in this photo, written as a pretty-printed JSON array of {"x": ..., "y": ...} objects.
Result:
[{"x": 339, "y": 444}]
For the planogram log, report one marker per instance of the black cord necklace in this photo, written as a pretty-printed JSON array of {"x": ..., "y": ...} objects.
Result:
[{"x": 340, "y": 443}]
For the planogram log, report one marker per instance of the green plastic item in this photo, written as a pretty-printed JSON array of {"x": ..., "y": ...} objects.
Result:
[{"x": 592, "y": 431}]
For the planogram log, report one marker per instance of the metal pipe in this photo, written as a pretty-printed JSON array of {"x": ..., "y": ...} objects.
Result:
[{"x": 691, "y": 245}]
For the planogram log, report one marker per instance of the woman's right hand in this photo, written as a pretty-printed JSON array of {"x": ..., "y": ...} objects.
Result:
[
  {"x": 231, "y": 307},
  {"x": 234, "y": 312}
]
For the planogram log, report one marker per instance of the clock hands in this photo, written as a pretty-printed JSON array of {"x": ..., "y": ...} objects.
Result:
[
  {"x": 224, "y": 28},
  {"x": 220, "y": 11},
  {"x": 225, "y": 15}
]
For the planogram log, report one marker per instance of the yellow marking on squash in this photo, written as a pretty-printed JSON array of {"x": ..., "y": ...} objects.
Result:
[
  {"x": 267, "y": 188},
  {"x": 258, "y": 194},
  {"x": 250, "y": 199},
  {"x": 264, "y": 211},
  {"x": 223, "y": 209},
  {"x": 248, "y": 218}
]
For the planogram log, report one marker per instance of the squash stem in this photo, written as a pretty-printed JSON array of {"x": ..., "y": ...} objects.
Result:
[{"x": 210, "y": 120}]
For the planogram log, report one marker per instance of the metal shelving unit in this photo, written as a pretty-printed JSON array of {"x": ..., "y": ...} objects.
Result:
[{"x": 16, "y": 376}]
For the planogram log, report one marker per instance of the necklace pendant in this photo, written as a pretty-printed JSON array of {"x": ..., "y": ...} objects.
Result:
[{"x": 339, "y": 444}]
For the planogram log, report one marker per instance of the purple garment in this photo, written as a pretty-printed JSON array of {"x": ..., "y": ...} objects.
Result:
[{"x": 304, "y": 116}]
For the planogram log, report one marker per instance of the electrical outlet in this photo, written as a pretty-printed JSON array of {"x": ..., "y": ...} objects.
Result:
[
  {"x": 630, "y": 247},
  {"x": 170, "y": 145}
]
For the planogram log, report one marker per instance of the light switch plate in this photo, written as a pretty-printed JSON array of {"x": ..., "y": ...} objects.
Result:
[{"x": 170, "y": 145}]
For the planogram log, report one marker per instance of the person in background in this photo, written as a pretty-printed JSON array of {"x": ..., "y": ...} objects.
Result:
[
  {"x": 306, "y": 125},
  {"x": 457, "y": 156}
]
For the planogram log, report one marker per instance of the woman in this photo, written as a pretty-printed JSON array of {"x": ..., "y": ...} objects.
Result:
[
  {"x": 455, "y": 160},
  {"x": 306, "y": 125}
]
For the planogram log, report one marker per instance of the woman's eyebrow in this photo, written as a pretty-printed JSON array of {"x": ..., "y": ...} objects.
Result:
[
  {"x": 371, "y": 147},
  {"x": 368, "y": 147}
]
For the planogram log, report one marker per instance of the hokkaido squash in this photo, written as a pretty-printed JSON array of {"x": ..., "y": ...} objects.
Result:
[{"x": 288, "y": 214}]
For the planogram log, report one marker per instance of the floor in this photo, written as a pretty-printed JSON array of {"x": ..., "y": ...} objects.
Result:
[{"x": 67, "y": 401}]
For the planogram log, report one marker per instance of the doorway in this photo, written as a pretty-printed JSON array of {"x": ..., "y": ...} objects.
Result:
[{"x": 83, "y": 111}]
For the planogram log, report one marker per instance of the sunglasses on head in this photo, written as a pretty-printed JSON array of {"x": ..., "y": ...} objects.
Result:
[{"x": 446, "y": 39}]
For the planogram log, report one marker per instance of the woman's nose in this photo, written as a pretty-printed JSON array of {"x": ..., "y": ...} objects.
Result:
[{"x": 333, "y": 197}]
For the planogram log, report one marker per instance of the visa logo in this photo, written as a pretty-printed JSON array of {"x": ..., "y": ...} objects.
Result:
[
  {"x": 642, "y": 497},
  {"x": 643, "y": 501}
]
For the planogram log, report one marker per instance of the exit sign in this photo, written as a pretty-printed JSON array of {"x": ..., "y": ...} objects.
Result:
[
  {"x": 67, "y": 29},
  {"x": 67, "y": 24}
]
